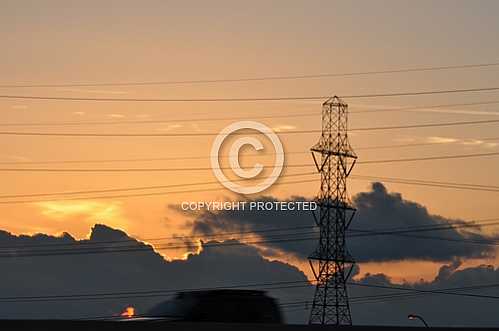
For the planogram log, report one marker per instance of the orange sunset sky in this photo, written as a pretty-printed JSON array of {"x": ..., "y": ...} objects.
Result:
[{"x": 57, "y": 42}]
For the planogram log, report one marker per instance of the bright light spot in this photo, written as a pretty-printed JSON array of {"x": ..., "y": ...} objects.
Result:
[
  {"x": 280, "y": 128},
  {"x": 129, "y": 312},
  {"x": 472, "y": 142},
  {"x": 64, "y": 209},
  {"x": 441, "y": 140},
  {"x": 80, "y": 214}
]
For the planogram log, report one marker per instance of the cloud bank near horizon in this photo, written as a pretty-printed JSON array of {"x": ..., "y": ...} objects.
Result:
[
  {"x": 142, "y": 269},
  {"x": 377, "y": 210}
]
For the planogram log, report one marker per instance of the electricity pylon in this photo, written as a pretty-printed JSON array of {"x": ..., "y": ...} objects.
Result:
[{"x": 331, "y": 263}]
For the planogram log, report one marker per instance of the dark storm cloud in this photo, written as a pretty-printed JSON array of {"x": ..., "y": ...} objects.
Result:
[
  {"x": 58, "y": 271},
  {"x": 444, "y": 309},
  {"x": 145, "y": 270},
  {"x": 377, "y": 210}
]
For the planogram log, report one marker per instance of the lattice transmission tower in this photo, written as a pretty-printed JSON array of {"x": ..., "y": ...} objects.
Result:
[{"x": 330, "y": 262}]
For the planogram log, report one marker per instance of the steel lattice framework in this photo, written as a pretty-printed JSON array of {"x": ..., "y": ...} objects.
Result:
[{"x": 330, "y": 262}]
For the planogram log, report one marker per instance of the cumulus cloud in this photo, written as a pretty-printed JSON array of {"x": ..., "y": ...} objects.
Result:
[
  {"x": 449, "y": 308},
  {"x": 140, "y": 268},
  {"x": 377, "y": 210},
  {"x": 110, "y": 261}
]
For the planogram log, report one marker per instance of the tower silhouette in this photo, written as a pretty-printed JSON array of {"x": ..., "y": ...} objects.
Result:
[{"x": 330, "y": 262}]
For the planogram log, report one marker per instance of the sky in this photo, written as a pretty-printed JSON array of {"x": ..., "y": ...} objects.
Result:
[{"x": 56, "y": 42}]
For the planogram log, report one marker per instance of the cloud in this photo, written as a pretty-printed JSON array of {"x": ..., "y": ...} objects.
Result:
[
  {"x": 56, "y": 210},
  {"x": 140, "y": 268},
  {"x": 169, "y": 127},
  {"x": 137, "y": 267},
  {"x": 423, "y": 109},
  {"x": 460, "y": 141},
  {"x": 441, "y": 140},
  {"x": 20, "y": 107},
  {"x": 91, "y": 91},
  {"x": 438, "y": 310},
  {"x": 81, "y": 214},
  {"x": 491, "y": 145},
  {"x": 377, "y": 210},
  {"x": 281, "y": 128},
  {"x": 455, "y": 111},
  {"x": 116, "y": 116},
  {"x": 472, "y": 142},
  {"x": 17, "y": 158}
]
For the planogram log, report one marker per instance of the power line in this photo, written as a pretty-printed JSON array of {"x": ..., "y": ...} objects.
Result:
[
  {"x": 412, "y": 180},
  {"x": 401, "y": 94},
  {"x": 454, "y": 291},
  {"x": 374, "y": 147},
  {"x": 268, "y": 285},
  {"x": 377, "y": 298},
  {"x": 96, "y": 249},
  {"x": 262, "y": 78},
  {"x": 16, "y": 252},
  {"x": 203, "y": 134},
  {"x": 180, "y": 169},
  {"x": 127, "y": 189},
  {"x": 146, "y": 292},
  {"x": 492, "y": 188},
  {"x": 214, "y": 119},
  {"x": 135, "y": 248},
  {"x": 430, "y": 158},
  {"x": 383, "y": 298},
  {"x": 216, "y": 236},
  {"x": 431, "y": 106},
  {"x": 223, "y": 235},
  {"x": 425, "y": 125},
  {"x": 450, "y": 185},
  {"x": 403, "y": 232},
  {"x": 425, "y": 228},
  {"x": 484, "y": 242},
  {"x": 446, "y": 292},
  {"x": 135, "y": 194},
  {"x": 249, "y": 99},
  {"x": 159, "y": 121},
  {"x": 179, "y": 157},
  {"x": 184, "y": 169}
]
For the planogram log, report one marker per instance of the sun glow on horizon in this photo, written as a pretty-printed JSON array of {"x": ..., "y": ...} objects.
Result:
[{"x": 129, "y": 312}]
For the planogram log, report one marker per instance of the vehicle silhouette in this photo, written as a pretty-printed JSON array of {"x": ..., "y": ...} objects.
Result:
[{"x": 231, "y": 306}]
